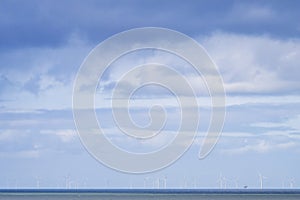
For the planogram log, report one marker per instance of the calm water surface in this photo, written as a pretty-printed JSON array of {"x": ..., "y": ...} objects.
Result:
[{"x": 149, "y": 194}]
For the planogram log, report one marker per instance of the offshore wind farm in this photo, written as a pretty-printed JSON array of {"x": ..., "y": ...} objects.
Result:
[{"x": 222, "y": 182}]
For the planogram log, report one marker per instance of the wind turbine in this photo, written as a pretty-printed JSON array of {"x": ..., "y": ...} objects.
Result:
[
  {"x": 145, "y": 182},
  {"x": 283, "y": 183},
  {"x": 220, "y": 180},
  {"x": 185, "y": 182},
  {"x": 85, "y": 182},
  {"x": 73, "y": 184},
  {"x": 236, "y": 182},
  {"x": 67, "y": 179},
  {"x": 37, "y": 182},
  {"x": 16, "y": 183},
  {"x": 292, "y": 181},
  {"x": 107, "y": 183},
  {"x": 165, "y": 182},
  {"x": 225, "y": 182},
  {"x": 157, "y": 182},
  {"x": 194, "y": 182},
  {"x": 261, "y": 179}
]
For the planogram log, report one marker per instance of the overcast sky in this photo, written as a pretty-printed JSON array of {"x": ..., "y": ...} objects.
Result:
[{"x": 255, "y": 44}]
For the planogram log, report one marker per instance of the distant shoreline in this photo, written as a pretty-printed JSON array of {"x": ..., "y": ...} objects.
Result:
[{"x": 150, "y": 191}]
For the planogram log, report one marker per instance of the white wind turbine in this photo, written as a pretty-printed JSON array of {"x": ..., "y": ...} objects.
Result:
[
  {"x": 225, "y": 182},
  {"x": 261, "y": 179},
  {"x": 67, "y": 180},
  {"x": 165, "y": 182},
  {"x": 283, "y": 183},
  {"x": 157, "y": 183},
  {"x": 292, "y": 182},
  {"x": 220, "y": 180},
  {"x": 145, "y": 182},
  {"x": 73, "y": 184},
  {"x": 37, "y": 182},
  {"x": 194, "y": 183},
  {"x": 185, "y": 182},
  {"x": 85, "y": 182},
  {"x": 160, "y": 182},
  {"x": 236, "y": 182}
]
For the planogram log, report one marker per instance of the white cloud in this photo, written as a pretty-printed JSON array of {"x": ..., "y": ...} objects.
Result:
[
  {"x": 251, "y": 13},
  {"x": 260, "y": 146},
  {"x": 158, "y": 74},
  {"x": 291, "y": 126},
  {"x": 294, "y": 123},
  {"x": 255, "y": 64},
  {"x": 12, "y": 134},
  {"x": 248, "y": 64},
  {"x": 18, "y": 143},
  {"x": 41, "y": 78},
  {"x": 21, "y": 154},
  {"x": 270, "y": 140},
  {"x": 6, "y": 135},
  {"x": 65, "y": 135},
  {"x": 268, "y": 125}
]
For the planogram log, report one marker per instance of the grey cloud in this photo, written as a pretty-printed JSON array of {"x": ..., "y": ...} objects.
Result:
[{"x": 48, "y": 23}]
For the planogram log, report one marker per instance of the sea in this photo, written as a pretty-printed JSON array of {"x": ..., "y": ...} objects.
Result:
[{"x": 149, "y": 194}]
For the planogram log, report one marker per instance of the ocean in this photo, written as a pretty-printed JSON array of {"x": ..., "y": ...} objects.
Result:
[{"x": 148, "y": 194}]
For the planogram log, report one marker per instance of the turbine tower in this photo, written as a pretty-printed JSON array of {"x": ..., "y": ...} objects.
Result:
[
  {"x": 292, "y": 182},
  {"x": 165, "y": 182},
  {"x": 220, "y": 180},
  {"x": 37, "y": 182},
  {"x": 67, "y": 181},
  {"x": 185, "y": 182},
  {"x": 145, "y": 182},
  {"x": 157, "y": 183},
  {"x": 261, "y": 179},
  {"x": 236, "y": 182},
  {"x": 225, "y": 182}
]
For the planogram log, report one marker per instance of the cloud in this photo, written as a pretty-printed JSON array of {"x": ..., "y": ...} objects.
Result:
[
  {"x": 40, "y": 78},
  {"x": 290, "y": 124},
  {"x": 255, "y": 64},
  {"x": 247, "y": 68},
  {"x": 259, "y": 65},
  {"x": 6, "y": 135},
  {"x": 21, "y": 154},
  {"x": 159, "y": 141},
  {"x": 65, "y": 135},
  {"x": 48, "y": 25},
  {"x": 37, "y": 142},
  {"x": 252, "y": 13},
  {"x": 258, "y": 133},
  {"x": 261, "y": 146},
  {"x": 133, "y": 70},
  {"x": 278, "y": 136},
  {"x": 18, "y": 143},
  {"x": 43, "y": 131},
  {"x": 249, "y": 64}
]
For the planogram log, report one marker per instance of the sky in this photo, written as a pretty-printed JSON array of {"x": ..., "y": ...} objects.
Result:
[{"x": 255, "y": 45}]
